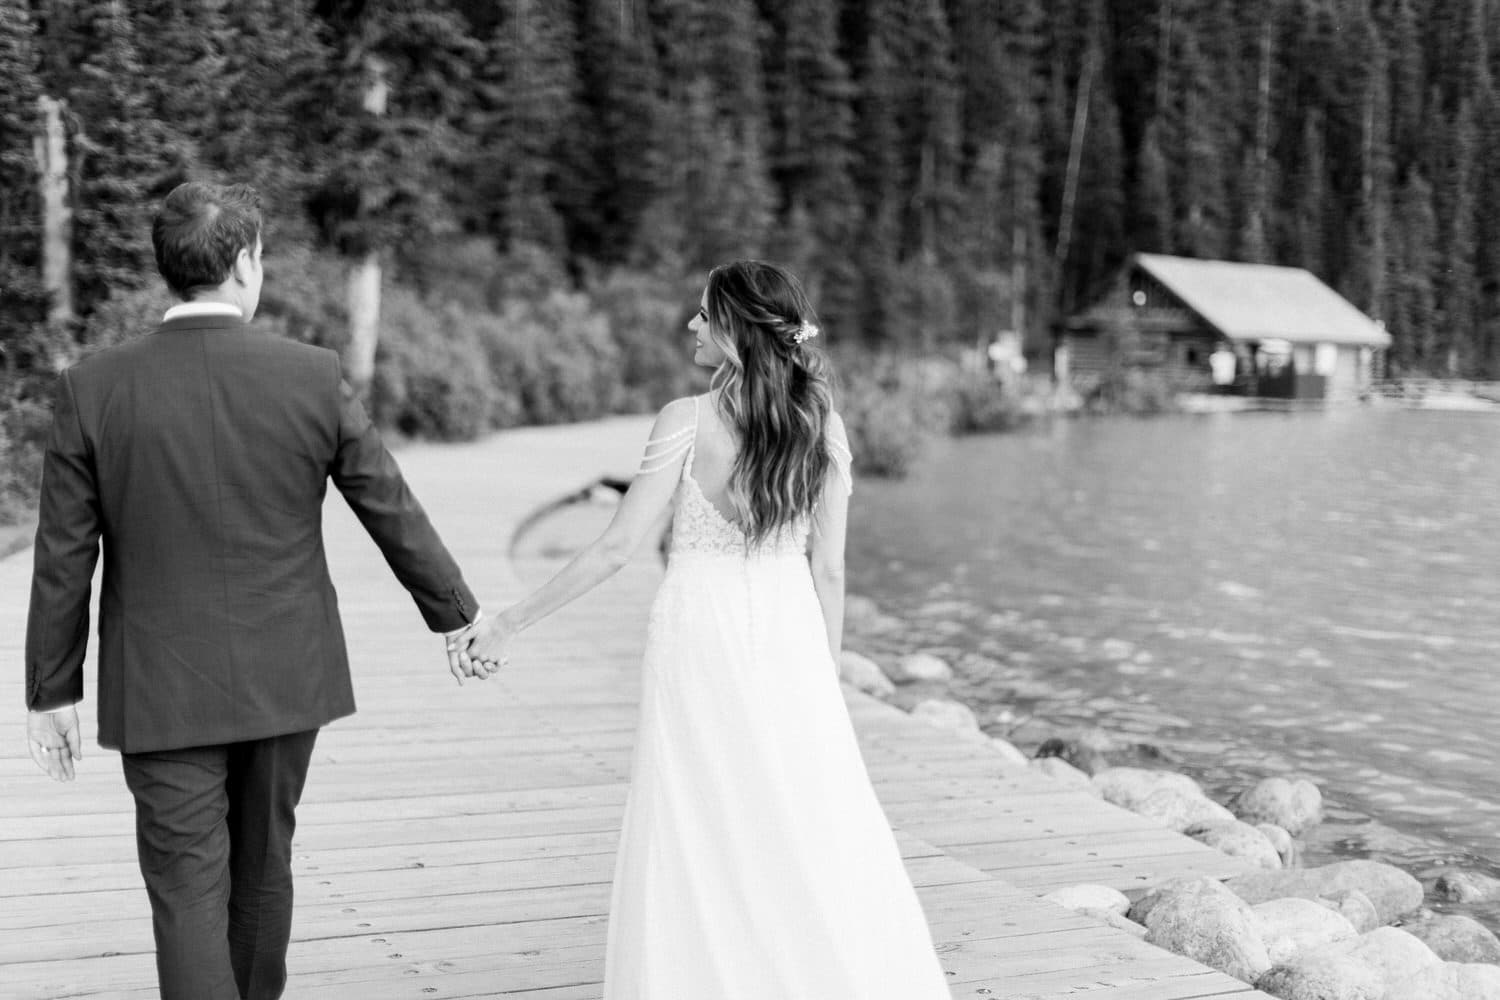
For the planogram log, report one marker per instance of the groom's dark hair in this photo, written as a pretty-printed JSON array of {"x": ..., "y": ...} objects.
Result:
[{"x": 199, "y": 231}]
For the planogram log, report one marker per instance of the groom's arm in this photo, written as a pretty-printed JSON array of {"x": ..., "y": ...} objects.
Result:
[
  {"x": 67, "y": 549},
  {"x": 371, "y": 482}
]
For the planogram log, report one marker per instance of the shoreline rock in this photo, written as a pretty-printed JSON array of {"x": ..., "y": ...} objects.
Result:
[
  {"x": 865, "y": 674},
  {"x": 1327, "y": 933},
  {"x": 917, "y": 667}
]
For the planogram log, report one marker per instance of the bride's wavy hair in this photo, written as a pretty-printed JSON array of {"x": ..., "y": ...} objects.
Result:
[{"x": 775, "y": 393}]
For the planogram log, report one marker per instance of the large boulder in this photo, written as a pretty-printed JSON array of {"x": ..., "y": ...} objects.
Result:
[
  {"x": 1390, "y": 950},
  {"x": 1062, "y": 772},
  {"x": 1323, "y": 976},
  {"x": 1089, "y": 751},
  {"x": 1354, "y": 906},
  {"x": 865, "y": 674},
  {"x": 1295, "y": 806},
  {"x": 1449, "y": 981},
  {"x": 1114, "y": 920},
  {"x": 1457, "y": 938},
  {"x": 1467, "y": 887},
  {"x": 1090, "y": 897},
  {"x": 1140, "y": 909},
  {"x": 1178, "y": 810},
  {"x": 862, "y": 616},
  {"x": 1292, "y": 926},
  {"x": 1289, "y": 848},
  {"x": 921, "y": 667},
  {"x": 1238, "y": 840},
  {"x": 1128, "y": 787},
  {"x": 949, "y": 715},
  {"x": 1392, "y": 891},
  {"x": 1205, "y": 922}
]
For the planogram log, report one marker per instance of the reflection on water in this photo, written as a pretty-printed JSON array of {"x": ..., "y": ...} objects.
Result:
[{"x": 1311, "y": 594}]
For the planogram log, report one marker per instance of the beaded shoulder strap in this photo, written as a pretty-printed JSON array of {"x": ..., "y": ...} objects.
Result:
[{"x": 662, "y": 451}]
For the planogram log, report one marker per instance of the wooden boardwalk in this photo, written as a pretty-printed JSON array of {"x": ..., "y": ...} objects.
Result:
[{"x": 458, "y": 842}]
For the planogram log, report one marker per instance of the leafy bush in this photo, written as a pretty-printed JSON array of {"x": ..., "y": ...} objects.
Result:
[
  {"x": 648, "y": 319},
  {"x": 126, "y": 315},
  {"x": 981, "y": 404},
  {"x": 431, "y": 376},
  {"x": 552, "y": 361},
  {"x": 24, "y": 421},
  {"x": 1134, "y": 391},
  {"x": 892, "y": 408},
  {"x": 305, "y": 296}
]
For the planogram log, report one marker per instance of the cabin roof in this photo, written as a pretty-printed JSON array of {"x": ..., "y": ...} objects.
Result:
[{"x": 1262, "y": 301}]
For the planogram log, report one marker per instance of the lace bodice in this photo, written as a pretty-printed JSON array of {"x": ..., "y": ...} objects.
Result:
[{"x": 698, "y": 527}]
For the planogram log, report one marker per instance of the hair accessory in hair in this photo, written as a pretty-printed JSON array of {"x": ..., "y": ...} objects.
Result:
[{"x": 805, "y": 331}]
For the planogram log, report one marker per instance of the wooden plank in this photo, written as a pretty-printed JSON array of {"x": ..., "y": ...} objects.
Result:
[{"x": 458, "y": 842}]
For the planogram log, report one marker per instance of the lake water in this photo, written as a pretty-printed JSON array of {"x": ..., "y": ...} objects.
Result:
[{"x": 1310, "y": 594}]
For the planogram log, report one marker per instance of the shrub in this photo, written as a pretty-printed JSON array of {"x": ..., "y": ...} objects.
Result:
[
  {"x": 24, "y": 421},
  {"x": 126, "y": 315},
  {"x": 552, "y": 361},
  {"x": 981, "y": 404},
  {"x": 431, "y": 376},
  {"x": 305, "y": 296},
  {"x": 648, "y": 320},
  {"x": 1134, "y": 391},
  {"x": 892, "y": 410}
]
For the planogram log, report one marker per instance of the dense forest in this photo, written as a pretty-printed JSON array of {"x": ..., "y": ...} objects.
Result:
[{"x": 937, "y": 170}]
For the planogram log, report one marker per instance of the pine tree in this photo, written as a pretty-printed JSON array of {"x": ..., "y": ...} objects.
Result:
[
  {"x": 626, "y": 170},
  {"x": 125, "y": 160},
  {"x": 387, "y": 176},
  {"x": 22, "y": 299},
  {"x": 527, "y": 117},
  {"x": 185, "y": 68},
  {"x": 812, "y": 132},
  {"x": 1203, "y": 226},
  {"x": 714, "y": 131},
  {"x": 1367, "y": 128},
  {"x": 878, "y": 176},
  {"x": 1407, "y": 86},
  {"x": 390, "y": 145},
  {"x": 1413, "y": 313},
  {"x": 1153, "y": 210},
  {"x": 271, "y": 126}
]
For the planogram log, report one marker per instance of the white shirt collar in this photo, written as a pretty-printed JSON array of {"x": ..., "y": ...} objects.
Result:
[{"x": 185, "y": 310}]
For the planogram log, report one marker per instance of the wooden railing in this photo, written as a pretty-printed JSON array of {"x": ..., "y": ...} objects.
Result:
[{"x": 1421, "y": 388}]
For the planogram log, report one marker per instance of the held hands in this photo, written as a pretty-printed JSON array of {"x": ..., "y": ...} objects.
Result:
[
  {"x": 476, "y": 650},
  {"x": 54, "y": 742},
  {"x": 487, "y": 642}
]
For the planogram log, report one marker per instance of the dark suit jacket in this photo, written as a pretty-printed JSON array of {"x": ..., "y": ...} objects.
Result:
[{"x": 200, "y": 455}]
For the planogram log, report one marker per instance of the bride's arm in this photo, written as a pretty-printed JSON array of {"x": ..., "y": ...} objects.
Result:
[
  {"x": 826, "y": 555},
  {"x": 641, "y": 508}
]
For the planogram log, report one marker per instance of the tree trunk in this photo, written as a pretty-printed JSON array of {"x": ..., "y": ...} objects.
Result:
[
  {"x": 1070, "y": 184},
  {"x": 365, "y": 274},
  {"x": 51, "y": 149},
  {"x": 1256, "y": 243}
]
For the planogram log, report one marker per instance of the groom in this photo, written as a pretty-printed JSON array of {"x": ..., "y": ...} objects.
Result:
[{"x": 199, "y": 456}]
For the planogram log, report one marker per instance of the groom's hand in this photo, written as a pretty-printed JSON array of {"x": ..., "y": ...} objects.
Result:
[
  {"x": 54, "y": 742},
  {"x": 456, "y": 645}
]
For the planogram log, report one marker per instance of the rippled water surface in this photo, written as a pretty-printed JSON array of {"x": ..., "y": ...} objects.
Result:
[{"x": 1311, "y": 594}]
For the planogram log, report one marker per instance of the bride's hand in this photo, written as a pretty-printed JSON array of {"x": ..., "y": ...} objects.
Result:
[{"x": 487, "y": 644}]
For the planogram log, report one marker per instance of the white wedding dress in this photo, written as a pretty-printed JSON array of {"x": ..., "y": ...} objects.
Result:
[{"x": 755, "y": 862}]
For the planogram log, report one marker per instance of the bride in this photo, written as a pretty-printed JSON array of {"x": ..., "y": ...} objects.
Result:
[{"x": 755, "y": 862}]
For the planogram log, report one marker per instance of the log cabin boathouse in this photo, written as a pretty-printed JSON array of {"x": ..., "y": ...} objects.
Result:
[{"x": 1221, "y": 326}]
